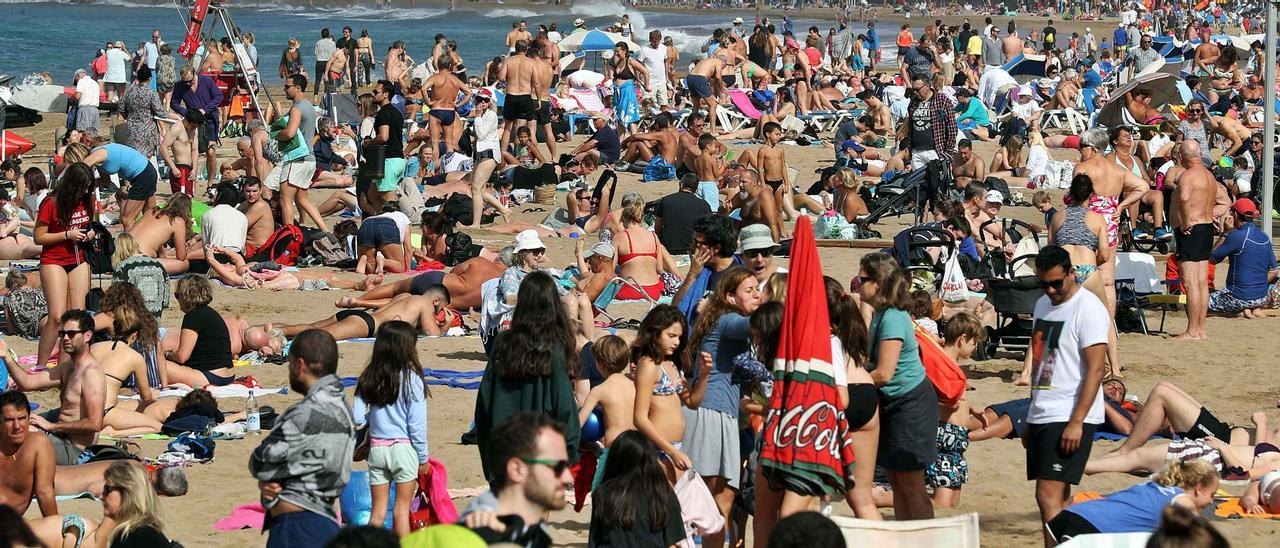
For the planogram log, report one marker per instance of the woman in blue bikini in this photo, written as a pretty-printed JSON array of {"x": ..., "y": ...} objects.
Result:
[{"x": 660, "y": 387}]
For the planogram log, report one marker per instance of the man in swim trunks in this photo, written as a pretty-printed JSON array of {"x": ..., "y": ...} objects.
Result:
[
  {"x": 261, "y": 219},
  {"x": 1110, "y": 181},
  {"x": 1193, "y": 204},
  {"x": 463, "y": 283},
  {"x": 661, "y": 143},
  {"x": 966, "y": 166},
  {"x": 75, "y": 424},
  {"x": 756, "y": 204},
  {"x": 542, "y": 118},
  {"x": 336, "y": 69},
  {"x": 180, "y": 150},
  {"x": 428, "y": 312},
  {"x": 1168, "y": 406},
  {"x": 520, "y": 74},
  {"x": 705, "y": 85},
  {"x": 444, "y": 89}
]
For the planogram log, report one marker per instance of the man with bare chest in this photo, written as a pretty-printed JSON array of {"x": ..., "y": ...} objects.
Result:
[
  {"x": 662, "y": 142},
  {"x": 77, "y": 421},
  {"x": 261, "y": 221},
  {"x": 180, "y": 150},
  {"x": 26, "y": 458},
  {"x": 444, "y": 89},
  {"x": 757, "y": 204},
  {"x": 542, "y": 118},
  {"x": 967, "y": 166},
  {"x": 1193, "y": 201},
  {"x": 520, "y": 73}
]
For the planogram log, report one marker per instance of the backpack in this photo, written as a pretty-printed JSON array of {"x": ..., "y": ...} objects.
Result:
[
  {"x": 947, "y": 377},
  {"x": 283, "y": 246},
  {"x": 330, "y": 249},
  {"x": 97, "y": 252},
  {"x": 458, "y": 208}
]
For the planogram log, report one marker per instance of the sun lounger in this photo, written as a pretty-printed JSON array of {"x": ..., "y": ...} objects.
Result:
[
  {"x": 610, "y": 292},
  {"x": 955, "y": 532}
]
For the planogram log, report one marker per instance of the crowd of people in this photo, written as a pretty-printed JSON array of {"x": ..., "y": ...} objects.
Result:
[{"x": 668, "y": 421}]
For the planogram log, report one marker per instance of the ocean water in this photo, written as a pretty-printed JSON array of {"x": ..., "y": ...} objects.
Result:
[{"x": 58, "y": 37}]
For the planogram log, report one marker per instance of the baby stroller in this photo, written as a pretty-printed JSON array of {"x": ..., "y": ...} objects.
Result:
[
  {"x": 1012, "y": 289},
  {"x": 913, "y": 250},
  {"x": 908, "y": 192}
]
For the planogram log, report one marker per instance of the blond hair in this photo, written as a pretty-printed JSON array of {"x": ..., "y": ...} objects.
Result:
[
  {"x": 139, "y": 505},
  {"x": 74, "y": 152},
  {"x": 1187, "y": 475},
  {"x": 126, "y": 246}
]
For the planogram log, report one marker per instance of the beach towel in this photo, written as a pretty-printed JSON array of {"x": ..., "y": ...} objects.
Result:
[
  {"x": 583, "y": 472},
  {"x": 248, "y": 516},
  {"x": 433, "y": 505},
  {"x": 697, "y": 508},
  {"x": 807, "y": 448},
  {"x": 626, "y": 104},
  {"x": 1231, "y": 509},
  {"x": 1108, "y": 540},
  {"x": 228, "y": 391}
]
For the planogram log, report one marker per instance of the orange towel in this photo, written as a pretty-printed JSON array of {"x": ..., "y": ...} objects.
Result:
[
  {"x": 1230, "y": 508},
  {"x": 1084, "y": 496}
]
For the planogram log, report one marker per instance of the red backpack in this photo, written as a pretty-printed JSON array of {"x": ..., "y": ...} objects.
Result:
[
  {"x": 947, "y": 377},
  {"x": 283, "y": 246}
]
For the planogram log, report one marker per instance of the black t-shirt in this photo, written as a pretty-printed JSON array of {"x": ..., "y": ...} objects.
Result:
[
  {"x": 642, "y": 535},
  {"x": 678, "y": 212},
  {"x": 141, "y": 537},
  {"x": 213, "y": 341},
  {"x": 348, "y": 44},
  {"x": 390, "y": 116},
  {"x": 1050, "y": 36},
  {"x": 921, "y": 127},
  {"x": 608, "y": 144}
]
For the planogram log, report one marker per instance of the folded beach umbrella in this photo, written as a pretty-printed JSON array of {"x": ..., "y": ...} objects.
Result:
[
  {"x": 12, "y": 144},
  {"x": 1026, "y": 67},
  {"x": 806, "y": 448},
  {"x": 1164, "y": 91},
  {"x": 594, "y": 40}
]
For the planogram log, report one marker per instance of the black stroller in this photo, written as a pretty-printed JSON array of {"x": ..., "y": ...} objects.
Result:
[
  {"x": 911, "y": 249},
  {"x": 909, "y": 192},
  {"x": 1012, "y": 295}
]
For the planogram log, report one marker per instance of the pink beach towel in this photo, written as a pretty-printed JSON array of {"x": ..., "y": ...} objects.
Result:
[{"x": 249, "y": 516}]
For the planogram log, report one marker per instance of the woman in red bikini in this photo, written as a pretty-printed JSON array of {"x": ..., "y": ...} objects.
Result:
[{"x": 640, "y": 256}]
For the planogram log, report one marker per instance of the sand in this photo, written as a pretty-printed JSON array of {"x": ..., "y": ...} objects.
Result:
[{"x": 1232, "y": 374}]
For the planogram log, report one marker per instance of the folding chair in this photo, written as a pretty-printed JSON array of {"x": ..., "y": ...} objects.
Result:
[
  {"x": 1138, "y": 286},
  {"x": 610, "y": 292}
]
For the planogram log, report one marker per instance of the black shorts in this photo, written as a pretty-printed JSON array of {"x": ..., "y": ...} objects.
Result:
[
  {"x": 775, "y": 185},
  {"x": 1208, "y": 425},
  {"x": 368, "y": 319},
  {"x": 543, "y": 116},
  {"x": 519, "y": 107},
  {"x": 421, "y": 282},
  {"x": 376, "y": 233},
  {"x": 1069, "y": 524},
  {"x": 729, "y": 80},
  {"x": 909, "y": 429},
  {"x": 203, "y": 139},
  {"x": 143, "y": 185},
  {"x": 1045, "y": 460},
  {"x": 864, "y": 399},
  {"x": 1196, "y": 245},
  {"x": 217, "y": 380},
  {"x": 698, "y": 86}
]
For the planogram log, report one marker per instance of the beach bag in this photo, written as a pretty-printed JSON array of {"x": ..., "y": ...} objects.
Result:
[
  {"x": 432, "y": 504},
  {"x": 23, "y": 308},
  {"x": 331, "y": 249},
  {"x": 290, "y": 151},
  {"x": 955, "y": 287},
  {"x": 199, "y": 446},
  {"x": 659, "y": 171},
  {"x": 945, "y": 374},
  {"x": 189, "y": 423},
  {"x": 97, "y": 251},
  {"x": 283, "y": 246}
]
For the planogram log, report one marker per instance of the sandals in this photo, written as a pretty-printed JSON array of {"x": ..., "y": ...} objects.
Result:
[{"x": 70, "y": 521}]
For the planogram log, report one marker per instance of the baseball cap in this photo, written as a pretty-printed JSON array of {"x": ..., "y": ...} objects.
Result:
[
  {"x": 1245, "y": 208},
  {"x": 849, "y": 143},
  {"x": 995, "y": 196},
  {"x": 603, "y": 249},
  {"x": 755, "y": 236}
]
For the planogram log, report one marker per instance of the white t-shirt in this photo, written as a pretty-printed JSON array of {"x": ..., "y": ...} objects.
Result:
[
  {"x": 224, "y": 226},
  {"x": 655, "y": 61},
  {"x": 117, "y": 67},
  {"x": 838, "y": 373},
  {"x": 1059, "y": 337},
  {"x": 585, "y": 79},
  {"x": 89, "y": 92},
  {"x": 401, "y": 220}
]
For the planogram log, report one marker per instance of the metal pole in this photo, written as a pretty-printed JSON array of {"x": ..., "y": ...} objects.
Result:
[{"x": 1269, "y": 122}]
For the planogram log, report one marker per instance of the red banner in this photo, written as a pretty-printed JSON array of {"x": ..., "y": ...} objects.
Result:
[{"x": 198, "y": 12}]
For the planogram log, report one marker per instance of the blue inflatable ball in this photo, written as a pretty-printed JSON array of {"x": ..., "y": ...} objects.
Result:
[
  {"x": 593, "y": 429},
  {"x": 1226, "y": 162}
]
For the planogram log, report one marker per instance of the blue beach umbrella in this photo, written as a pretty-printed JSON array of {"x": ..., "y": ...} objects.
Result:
[
  {"x": 1026, "y": 67},
  {"x": 594, "y": 40}
]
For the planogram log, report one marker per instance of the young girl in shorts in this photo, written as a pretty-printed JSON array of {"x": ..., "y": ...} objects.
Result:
[
  {"x": 392, "y": 399},
  {"x": 660, "y": 386}
]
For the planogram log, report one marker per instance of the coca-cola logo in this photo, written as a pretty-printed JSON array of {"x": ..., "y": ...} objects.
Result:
[{"x": 815, "y": 425}]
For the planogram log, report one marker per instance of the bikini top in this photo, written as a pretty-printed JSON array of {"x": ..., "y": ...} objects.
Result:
[
  {"x": 1074, "y": 230},
  {"x": 624, "y": 73},
  {"x": 667, "y": 387},
  {"x": 624, "y": 257},
  {"x": 1133, "y": 168}
]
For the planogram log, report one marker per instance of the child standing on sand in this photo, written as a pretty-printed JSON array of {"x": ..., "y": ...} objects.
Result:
[
  {"x": 950, "y": 471},
  {"x": 616, "y": 396}
]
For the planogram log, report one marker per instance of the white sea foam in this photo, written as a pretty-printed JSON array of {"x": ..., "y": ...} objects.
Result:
[
  {"x": 609, "y": 8},
  {"x": 507, "y": 13}
]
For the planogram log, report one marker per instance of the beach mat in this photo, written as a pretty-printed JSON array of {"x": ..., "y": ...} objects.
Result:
[
  {"x": 248, "y": 516},
  {"x": 228, "y": 391},
  {"x": 1230, "y": 509},
  {"x": 438, "y": 377}
]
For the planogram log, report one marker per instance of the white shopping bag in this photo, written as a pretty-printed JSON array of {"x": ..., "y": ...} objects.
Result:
[{"x": 955, "y": 288}]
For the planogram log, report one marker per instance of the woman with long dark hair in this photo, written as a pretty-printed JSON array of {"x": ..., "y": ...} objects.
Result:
[
  {"x": 711, "y": 437},
  {"x": 392, "y": 398},
  {"x": 529, "y": 369},
  {"x": 661, "y": 390},
  {"x": 634, "y": 504},
  {"x": 62, "y": 225},
  {"x": 908, "y": 404},
  {"x": 858, "y": 395}
]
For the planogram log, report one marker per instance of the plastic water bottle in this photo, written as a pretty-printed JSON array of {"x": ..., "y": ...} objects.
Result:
[{"x": 253, "y": 420}]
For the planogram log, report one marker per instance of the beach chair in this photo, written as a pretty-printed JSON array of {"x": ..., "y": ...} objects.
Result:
[
  {"x": 610, "y": 292},
  {"x": 1138, "y": 286},
  {"x": 1108, "y": 540},
  {"x": 589, "y": 100},
  {"x": 954, "y": 532},
  {"x": 744, "y": 104}
]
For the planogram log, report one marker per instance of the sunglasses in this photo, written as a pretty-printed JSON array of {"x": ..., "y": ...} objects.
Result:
[
  {"x": 107, "y": 489},
  {"x": 866, "y": 279},
  {"x": 751, "y": 254},
  {"x": 1196, "y": 111},
  {"x": 1056, "y": 285},
  {"x": 557, "y": 466},
  {"x": 71, "y": 332},
  {"x": 538, "y": 251}
]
